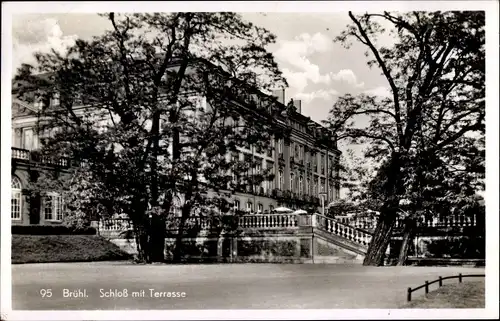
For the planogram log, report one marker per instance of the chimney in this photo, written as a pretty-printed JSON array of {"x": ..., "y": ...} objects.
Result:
[
  {"x": 298, "y": 104},
  {"x": 280, "y": 94}
]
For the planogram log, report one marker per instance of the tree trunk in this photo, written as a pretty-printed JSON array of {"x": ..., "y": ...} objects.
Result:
[
  {"x": 381, "y": 238},
  {"x": 157, "y": 239},
  {"x": 383, "y": 232},
  {"x": 186, "y": 209},
  {"x": 408, "y": 236},
  {"x": 142, "y": 244}
]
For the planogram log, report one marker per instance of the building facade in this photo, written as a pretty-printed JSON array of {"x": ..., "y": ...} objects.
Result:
[
  {"x": 305, "y": 167},
  {"x": 28, "y": 206},
  {"x": 304, "y": 164}
]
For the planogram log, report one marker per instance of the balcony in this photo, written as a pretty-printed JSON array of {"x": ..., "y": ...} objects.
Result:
[{"x": 27, "y": 156}]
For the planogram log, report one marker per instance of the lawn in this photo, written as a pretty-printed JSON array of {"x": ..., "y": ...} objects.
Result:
[
  {"x": 467, "y": 295},
  {"x": 63, "y": 248}
]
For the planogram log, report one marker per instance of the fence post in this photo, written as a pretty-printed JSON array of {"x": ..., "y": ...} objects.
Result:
[
  {"x": 426, "y": 287},
  {"x": 440, "y": 281},
  {"x": 459, "y": 277},
  {"x": 408, "y": 296}
]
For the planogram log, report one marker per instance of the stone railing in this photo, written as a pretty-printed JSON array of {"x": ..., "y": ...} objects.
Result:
[
  {"x": 18, "y": 153},
  {"x": 202, "y": 223},
  {"x": 114, "y": 225},
  {"x": 368, "y": 223},
  {"x": 269, "y": 221},
  {"x": 265, "y": 222},
  {"x": 343, "y": 230},
  {"x": 24, "y": 154},
  {"x": 449, "y": 221},
  {"x": 354, "y": 229},
  {"x": 365, "y": 223}
]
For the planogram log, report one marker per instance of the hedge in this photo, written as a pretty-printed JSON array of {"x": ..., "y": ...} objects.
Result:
[{"x": 51, "y": 230}]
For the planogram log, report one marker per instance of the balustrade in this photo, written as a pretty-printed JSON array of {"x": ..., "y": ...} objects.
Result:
[
  {"x": 271, "y": 221},
  {"x": 24, "y": 154},
  {"x": 18, "y": 153},
  {"x": 337, "y": 227},
  {"x": 348, "y": 228},
  {"x": 367, "y": 223}
]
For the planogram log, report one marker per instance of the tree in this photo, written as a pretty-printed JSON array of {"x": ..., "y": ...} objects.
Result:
[
  {"x": 444, "y": 186},
  {"x": 149, "y": 109},
  {"x": 435, "y": 71}
]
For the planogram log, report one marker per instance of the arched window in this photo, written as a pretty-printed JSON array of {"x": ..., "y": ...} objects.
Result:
[
  {"x": 260, "y": 208},
  {"x": 15, "y": 201}
]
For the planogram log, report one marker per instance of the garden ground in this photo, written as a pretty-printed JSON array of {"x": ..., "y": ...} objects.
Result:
[
  {"x": 219, "y": 286},
  {"x": 470, "y": 295}
]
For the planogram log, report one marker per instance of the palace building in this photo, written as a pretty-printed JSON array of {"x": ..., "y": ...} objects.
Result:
[{"x": 304, "y": 167}]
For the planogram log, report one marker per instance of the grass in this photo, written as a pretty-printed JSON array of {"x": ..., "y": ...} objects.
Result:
[
  {"x": 64, "y": 248},
  {"x": 467, "y": 295}
]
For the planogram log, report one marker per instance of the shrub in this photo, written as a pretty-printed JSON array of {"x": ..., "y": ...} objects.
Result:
[{"x": 51, "y": 230}]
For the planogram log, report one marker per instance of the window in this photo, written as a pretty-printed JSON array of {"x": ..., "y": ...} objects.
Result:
[
  {"x": 260, "y": 208},
  {"x": 15, "y": 201},
  {"x": 300, "y": 185},
  {"x": 291, "y": 181},
  {"x": 236, "y": 205},
  {"x": 258, "y": 166},
  {"x": 280, "y": 180},
  {"x": 308, "y": 186},
  {"x": 55, "y": 99},
  {"x": 315, "y": 187},
  {"x": 30, "y": 139},
  {"x": 53, "y": 207},
  {"x": 280, "y": 145},
  {"x": 249, "y": 206},
  {"x": 271, "y": 208},
  {"x": 322, "y": 185}
]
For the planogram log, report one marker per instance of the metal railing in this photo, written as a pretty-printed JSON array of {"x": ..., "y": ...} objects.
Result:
[{"x": 440, "y": 281}]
